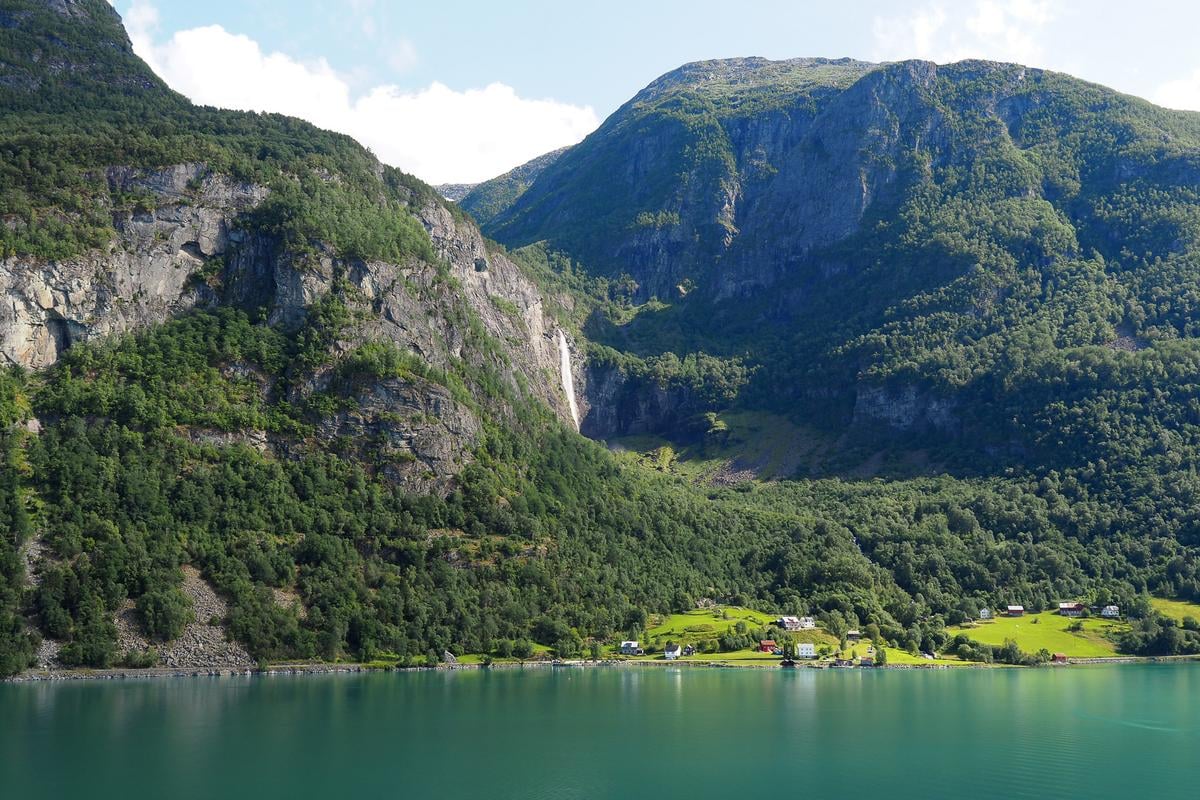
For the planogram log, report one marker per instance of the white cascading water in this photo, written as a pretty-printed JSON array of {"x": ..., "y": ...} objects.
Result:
[{"x": 568, "y": 380}]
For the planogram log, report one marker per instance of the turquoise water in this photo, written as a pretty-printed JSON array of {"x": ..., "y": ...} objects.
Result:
[{"x": 610, "y": 732}]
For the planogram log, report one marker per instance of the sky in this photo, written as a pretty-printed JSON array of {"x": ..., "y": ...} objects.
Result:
[{"x": 456, "y": 91}]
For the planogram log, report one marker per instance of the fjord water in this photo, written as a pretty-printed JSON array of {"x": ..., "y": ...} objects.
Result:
[{"x": 611, "y": 732}]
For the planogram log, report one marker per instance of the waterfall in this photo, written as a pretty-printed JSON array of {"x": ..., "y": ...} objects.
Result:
[{"x": 568, "y": 380}]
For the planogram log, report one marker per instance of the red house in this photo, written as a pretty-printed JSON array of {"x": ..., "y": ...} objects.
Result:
[
  {"x": 1060, "y": 658},
  {"x": 767, "y": 646},
  {"x": 1016, "y": 611},
  {"x": 1071, "y": 609}
]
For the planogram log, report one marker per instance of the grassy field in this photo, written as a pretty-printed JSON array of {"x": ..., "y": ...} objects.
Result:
[
  {"x": 540, "y": 653},
  {"x": 1048, "y": 630},
  {"x": 696, "y": 626},
  {"x": 738, "y": 657},
  {"x": 766, "y": 445},
  {"x": 1175, "y": 609},
  {"x": 895, "y": 656}
]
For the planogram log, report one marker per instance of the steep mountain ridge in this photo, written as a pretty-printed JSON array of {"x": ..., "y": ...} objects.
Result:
[
  {"x": 484, "y": 200},
  {"x": 179, "y": 236},
  {"x": 874, "y": 241},
  {"x": 758, "y": 164}
]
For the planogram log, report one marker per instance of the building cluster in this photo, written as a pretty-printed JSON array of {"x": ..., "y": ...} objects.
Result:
[
  {"x": 1065, "y": 609},
  {"x": 791, "y": 624}
]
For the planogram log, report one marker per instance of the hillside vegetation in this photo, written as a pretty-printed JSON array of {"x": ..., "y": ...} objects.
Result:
[{"x": 386, "y": 452}]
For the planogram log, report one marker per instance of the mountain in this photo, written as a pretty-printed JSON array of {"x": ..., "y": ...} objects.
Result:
[
  {"x": 267, "y": 398},
  {"x": 271, "y": 396},
  {"x": 887, "y": 249},
  {"x": 455, "y": 191},
  {"x": 484, "y": 200}
]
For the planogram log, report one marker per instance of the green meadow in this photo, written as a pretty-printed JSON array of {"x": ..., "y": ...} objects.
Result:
[
  {"x": 897, "y": 657},
  {"x": 1175, "y": 609},
  {"x": 1048, "y": 630},
  {"x": 701, "y": 624}
]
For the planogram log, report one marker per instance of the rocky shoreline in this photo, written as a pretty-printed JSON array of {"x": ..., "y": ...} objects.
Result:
[{"x": 331, "y": 669}]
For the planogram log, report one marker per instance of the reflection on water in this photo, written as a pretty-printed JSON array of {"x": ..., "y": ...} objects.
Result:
[{"x": 620, "y": 732}]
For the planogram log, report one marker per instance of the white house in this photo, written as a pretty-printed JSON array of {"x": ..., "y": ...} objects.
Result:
[
  {"x": 806, "y": 650},
  {"x": 796, "y": 623},
  {"x": 985, "y": 613},
  {"x": 630, "y": 649},
  {"x": 1111, "y": 612},
  {"x": 671, "y": 652}
]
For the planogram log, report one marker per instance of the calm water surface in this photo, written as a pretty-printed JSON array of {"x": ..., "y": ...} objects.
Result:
[{"x": 1129, "y": 731}]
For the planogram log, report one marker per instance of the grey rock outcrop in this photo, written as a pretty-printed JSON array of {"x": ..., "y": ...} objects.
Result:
[
  {"x": 414, "y": 430},
  {"x": 905, "y": 407},
  {"x": 616, "y": 403},
  {"x": 146, "y": 275},
  {"x": 455, "y": 191},
  {"x": 186, "y": 244}
]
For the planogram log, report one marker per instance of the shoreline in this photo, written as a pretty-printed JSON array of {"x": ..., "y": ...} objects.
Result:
[{"x": 125, "y": 673}]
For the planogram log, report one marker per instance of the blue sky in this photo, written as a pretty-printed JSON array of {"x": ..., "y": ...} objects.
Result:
[{"x": 460, "y": 91}]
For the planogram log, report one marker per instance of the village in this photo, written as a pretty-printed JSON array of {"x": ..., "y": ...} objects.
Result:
[
  {"x": 1070, "y": 631},
  {"x": 1067, "y": 632}
]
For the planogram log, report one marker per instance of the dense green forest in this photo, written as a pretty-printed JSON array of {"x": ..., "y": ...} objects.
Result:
[
  {"x": 1047, "y": 302},
  {"x": 1011, "y": 306},
  {"x": 548, "y": 539}
]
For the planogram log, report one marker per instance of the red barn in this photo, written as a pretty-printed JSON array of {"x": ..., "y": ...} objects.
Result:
[{"x": 767, "y": 646}]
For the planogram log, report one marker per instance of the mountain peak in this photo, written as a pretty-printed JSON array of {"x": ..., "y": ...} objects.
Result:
[
  {"x": 67, "y": 51},
  {"x": 734, "y": 76}
]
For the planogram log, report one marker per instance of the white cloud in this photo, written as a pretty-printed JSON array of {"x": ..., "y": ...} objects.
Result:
[
  {"x": 437, "y": 133},
  {"x": 1000, "y": 30},
  {"x": 1183, "y": 93}
]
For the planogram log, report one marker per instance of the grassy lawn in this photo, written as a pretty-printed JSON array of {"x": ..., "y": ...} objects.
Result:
[
  {"x": 737, "y": 657},
  {"x": 1049, "y": 632},
  {"x": 1175, "y": 609},
  {"x": 701, "y": 624},
  {"x": 895, "y": 656}
]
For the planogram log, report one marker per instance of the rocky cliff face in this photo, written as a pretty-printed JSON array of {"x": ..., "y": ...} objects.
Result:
[
  {"x": 148, "y": 274},
  {"x": 906, "y": 408},
  {"x": 742, "y": 174},
  {"x": 615, "y": 404},
  {"x": 668, "y": 185},
  {"x": 188, "y": 246},
  {"x": 415, "y": 430},
  {"x": 858, "y": 230}
]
